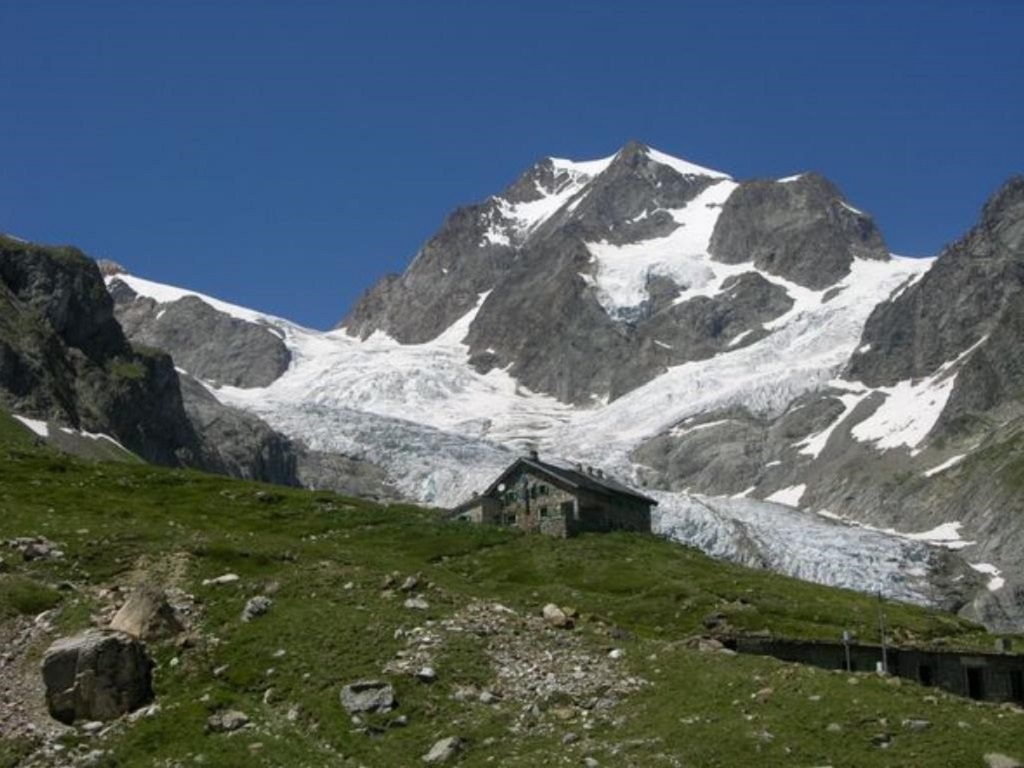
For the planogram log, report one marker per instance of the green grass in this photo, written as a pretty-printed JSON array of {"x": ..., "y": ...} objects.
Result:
[{"x": 116, "y": 522}]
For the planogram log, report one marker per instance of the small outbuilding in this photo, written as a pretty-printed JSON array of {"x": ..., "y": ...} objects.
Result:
[{"x": 558, "y": 500}]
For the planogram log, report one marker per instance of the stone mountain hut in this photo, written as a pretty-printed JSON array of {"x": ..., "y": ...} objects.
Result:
[{"x": 556, "y": 500}]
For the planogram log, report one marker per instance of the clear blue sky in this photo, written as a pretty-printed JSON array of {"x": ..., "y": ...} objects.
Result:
[{"x": 285, "y": 155}]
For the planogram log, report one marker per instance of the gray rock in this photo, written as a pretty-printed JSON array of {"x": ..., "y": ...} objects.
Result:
[
  {"x": 227, "y": 721},
  {"x": 97, "y": 675},
  {"x": 368, "y": 696},
  {"x": 147, "y": 615},
  {"x": 416, "y": 604},
  {"x": 205, "y": 341},
  {"x": 917, "y": 724},
  {"x": 444, "y": 750},
  {"x": 256, "y": 607},
  {"x": 800, "y": 230},
  {"x": 556, "y": 617}
]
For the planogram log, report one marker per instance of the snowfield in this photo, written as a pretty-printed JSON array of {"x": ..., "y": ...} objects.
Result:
[{"x": 443, "y": 430}]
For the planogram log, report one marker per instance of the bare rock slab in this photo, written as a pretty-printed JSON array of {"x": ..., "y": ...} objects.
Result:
[
  {"x": 443, "y": 750},
  {"x": 147, "y": 615},
  {"x": 368, "y": 696},
  {"x": 97, "y": 675}
]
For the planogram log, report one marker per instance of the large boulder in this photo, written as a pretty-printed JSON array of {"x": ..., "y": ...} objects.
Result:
[{"x": 97, "y": 675}]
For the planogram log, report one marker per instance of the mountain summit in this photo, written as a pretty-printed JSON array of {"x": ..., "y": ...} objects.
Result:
[{"x": 595, "y": 277}]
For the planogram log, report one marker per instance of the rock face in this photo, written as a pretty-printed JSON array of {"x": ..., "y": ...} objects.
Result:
[
  {"x": 236, "y": 443},
  {"x": 98, "y": 675},
  {"x": 204, "y": 341},
  {"x": 64, "y": 358},
  {"x": 957, "y": 303},
  {"x": 799, "y": 229}
]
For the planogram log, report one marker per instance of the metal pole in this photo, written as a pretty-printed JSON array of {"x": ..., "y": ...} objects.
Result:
[{"x": 881, "y": 632}]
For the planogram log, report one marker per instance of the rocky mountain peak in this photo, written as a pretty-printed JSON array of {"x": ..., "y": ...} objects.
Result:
[{"x": 1003, "y": 214}]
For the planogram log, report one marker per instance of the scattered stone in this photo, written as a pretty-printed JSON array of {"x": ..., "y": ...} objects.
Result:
[
  {"x": 426, "y": 675},
  {"x": 762, "y": 696},
  {"x": 92, "y": 727},
  {"x": 705, "y": 644},
  {"x": 256, "y": 607},
  {"x": 997, "y": 760},
  {"x": 416, "y": 604},
  {"x": 368, "y": 696},
  {"x": 917, "y": 724},
  {"x": 464, "y": 693},
  {"x": 444, "y": 750},
  {"x": 570, "y": 738},
  {"x": 147, "y": 615},
  {"x": 227, "y": 578},
  {"x": 556, "y": 617},
  {"x": 389, "y": 581},
  {"x": 834, "y": 728},
  {"x": 399, "y": 722},
  {"x": 97, "y": 675},
  {"x": 410, "y": 584},
  {"x": 489, "y": 697},
  {"x": 349, "y": 586},
  {"x": 616, "y": 653},
  {"x": 219, "y": 671},
  {"x": 93, "y": 759},
  {"x": 590, "y": 762},
  {"x": 882, "y": 740},
  {"x": 227, "y": 721},
  {"x": 36, "y": 548}
]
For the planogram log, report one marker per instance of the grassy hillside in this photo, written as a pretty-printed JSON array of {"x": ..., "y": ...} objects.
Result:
[{"x": 551, "y": 697}]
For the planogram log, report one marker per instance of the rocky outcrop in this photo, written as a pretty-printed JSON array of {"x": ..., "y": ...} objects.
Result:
[
  {"x": 955, "y": 305},
  {"x": 97, "y": 675},
  {"x": 236, "y": 443},
  {"x": 800, "y": 229},
  {"x": 208, "y": 343},
  {"x": 64, "y": 358}
]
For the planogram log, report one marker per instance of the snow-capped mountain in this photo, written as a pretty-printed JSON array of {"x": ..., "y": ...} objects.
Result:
[{"x": 678, "y": 328}]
